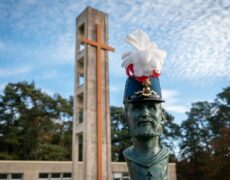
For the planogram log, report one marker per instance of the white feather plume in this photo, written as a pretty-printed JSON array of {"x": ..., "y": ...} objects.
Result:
[{"x": 146, "y": 57}]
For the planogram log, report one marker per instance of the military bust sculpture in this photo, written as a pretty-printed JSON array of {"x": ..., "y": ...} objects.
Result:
[{"x": 147, "y": 159}]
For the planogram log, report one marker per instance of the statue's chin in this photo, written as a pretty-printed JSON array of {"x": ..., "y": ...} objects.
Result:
[
  {"x": 144, "y": 132},
  {"x": 146, "y": 136}
]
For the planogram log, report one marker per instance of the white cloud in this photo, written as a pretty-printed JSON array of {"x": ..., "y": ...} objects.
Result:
[
  {"x": 173, "y": 103},
  {"x": 30, "y": 2},
  {"x": 50, "y": 27},
  {"x": 115, "y": 65},
  {"x": 117, "y": 88},
  {"x": 62, "y": 52},
  {"x": 169, "y": 94},
  {"x": 48, "y": 91},
  {"x": 203, "y": 50},
  {"x": 195, "y": 34},
  {"x": 6, "y": 72},
  {"x": 2, "y": 45},
  {"x": 114, "y": 89},
  {"x": 49, "y": 75},
  {"x": 2, "y": 86},
  {"x": 176, "y": 108}
]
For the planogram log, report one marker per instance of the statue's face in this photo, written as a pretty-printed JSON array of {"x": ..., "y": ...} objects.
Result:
[{"x": 144, "y": 119}]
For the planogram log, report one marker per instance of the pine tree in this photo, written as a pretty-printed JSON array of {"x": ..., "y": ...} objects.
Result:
[{"x": 33, "y": 124}]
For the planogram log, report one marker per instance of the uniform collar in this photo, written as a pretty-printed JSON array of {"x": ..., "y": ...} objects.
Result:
[{"x": 146, "y": 161}]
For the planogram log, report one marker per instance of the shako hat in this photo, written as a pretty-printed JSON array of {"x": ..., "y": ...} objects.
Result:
[
  {"x": 148, "y": 90},
  {"x": 143, "y": 67}
]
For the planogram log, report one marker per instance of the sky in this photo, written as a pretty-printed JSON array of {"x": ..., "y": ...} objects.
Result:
[{"x": 37, "y": 42}]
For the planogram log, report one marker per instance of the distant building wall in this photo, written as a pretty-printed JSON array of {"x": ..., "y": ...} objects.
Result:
[{"x": 58, "y": 170}]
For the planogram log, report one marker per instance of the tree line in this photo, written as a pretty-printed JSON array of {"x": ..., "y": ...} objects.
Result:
[
  {"x": 34, "y": 125},
  {"x": 202, "y": 141},
  {"x": 38, "y": 126}
]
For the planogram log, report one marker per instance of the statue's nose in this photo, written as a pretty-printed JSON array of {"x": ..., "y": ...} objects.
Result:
[{"x": 145, "y": 113}]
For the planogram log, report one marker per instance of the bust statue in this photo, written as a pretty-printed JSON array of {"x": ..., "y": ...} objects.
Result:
[{"x": 147, "y": 159}]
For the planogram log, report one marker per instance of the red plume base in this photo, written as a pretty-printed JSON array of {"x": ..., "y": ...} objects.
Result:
[{"x": 130, "y": 72}]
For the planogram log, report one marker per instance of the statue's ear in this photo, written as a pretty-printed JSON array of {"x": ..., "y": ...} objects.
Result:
[
  {"x": 126, "y": 109},
  {"x": 163, "y": 117}
]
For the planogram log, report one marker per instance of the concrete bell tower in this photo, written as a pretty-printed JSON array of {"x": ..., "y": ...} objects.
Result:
[{"x": 91, "y": 123}]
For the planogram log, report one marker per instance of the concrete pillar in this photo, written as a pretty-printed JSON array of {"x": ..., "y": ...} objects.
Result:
[{"x": 85, "y": 97}]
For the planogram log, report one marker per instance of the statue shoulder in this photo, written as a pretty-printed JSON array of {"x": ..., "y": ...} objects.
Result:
[{"x": 148, "y": 161}]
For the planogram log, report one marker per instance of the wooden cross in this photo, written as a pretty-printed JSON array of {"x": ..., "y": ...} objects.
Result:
[
  {"x": 98, "y": 44},
  {"x": 149, "y": 175}
]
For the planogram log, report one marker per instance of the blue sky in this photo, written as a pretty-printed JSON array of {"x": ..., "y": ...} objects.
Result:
[{"x": 37, "y": 41}]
